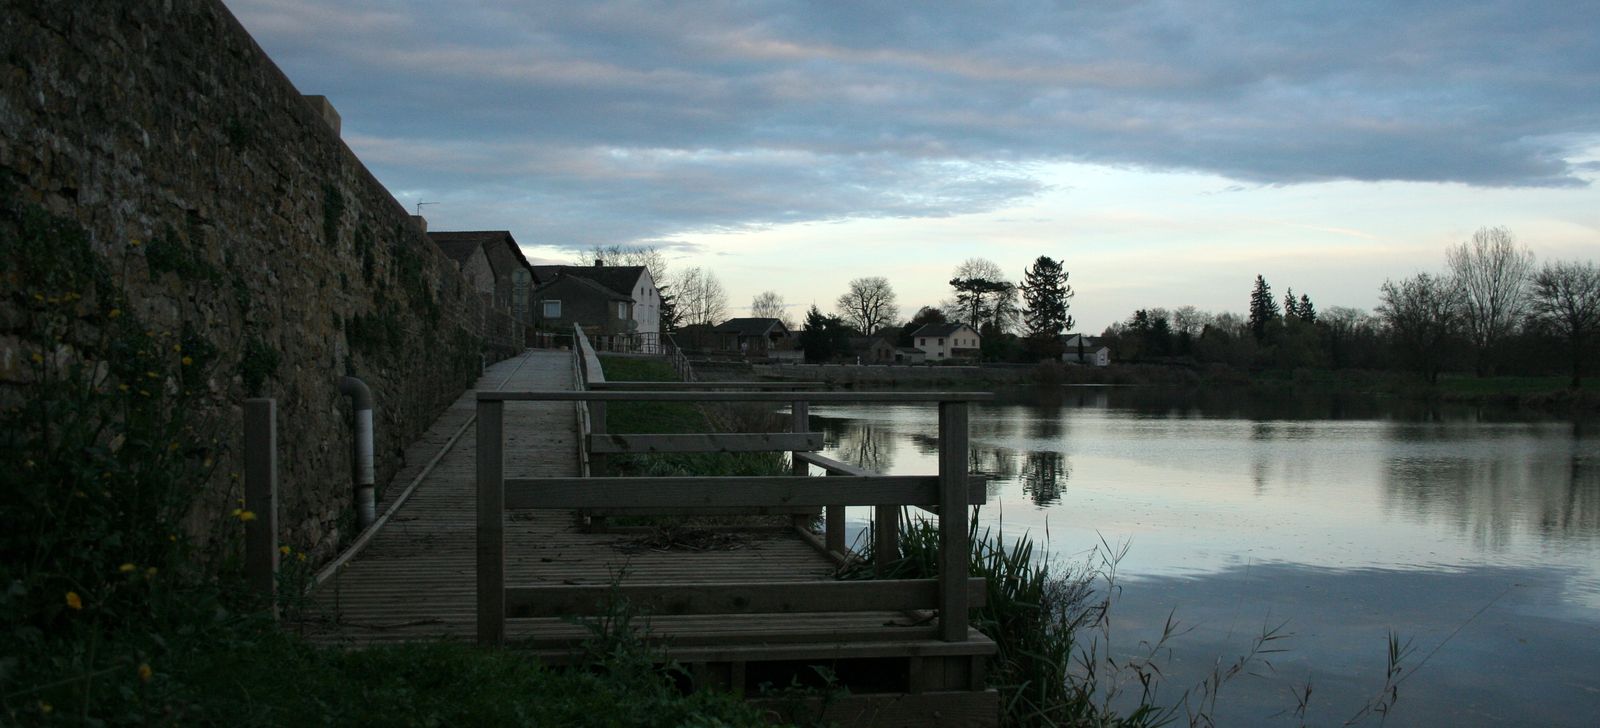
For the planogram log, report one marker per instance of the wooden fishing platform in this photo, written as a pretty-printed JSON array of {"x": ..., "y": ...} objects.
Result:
[{"x": 510, "y": 558}]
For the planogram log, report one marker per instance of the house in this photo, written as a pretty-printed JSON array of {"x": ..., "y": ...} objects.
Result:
[
  {"x": 909, "y": 355},
  {"x": 750, "y": 336},
  {"x": 874, "y": 349},
  {"x": 493, "y": 264},
  {"x": 569, "y": 300},
  {"x": 596, "y": 306},
  {"x": 1086, "y": 350},
  {"x": 939, "y": 342}
]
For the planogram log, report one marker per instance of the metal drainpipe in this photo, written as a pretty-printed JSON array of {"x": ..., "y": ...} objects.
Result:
[{"x": 361, "y": 401}]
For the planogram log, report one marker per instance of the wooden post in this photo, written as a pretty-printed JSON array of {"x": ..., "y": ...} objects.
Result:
[
  {"x": 800, "y": 421},
  {"x": 491, "y": 520},
  {"x": 953, "y": 546},
  {"x": 885, "y": 538},
  {"x": 261, "y": 498}
]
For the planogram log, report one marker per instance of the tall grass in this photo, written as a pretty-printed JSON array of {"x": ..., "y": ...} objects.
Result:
[{"x": 1059, "y": 662}]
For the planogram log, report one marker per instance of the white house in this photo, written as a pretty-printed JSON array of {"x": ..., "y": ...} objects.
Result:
[
  {"x": 946, "y": 341},
  {"x": 1087, "y": 350}
]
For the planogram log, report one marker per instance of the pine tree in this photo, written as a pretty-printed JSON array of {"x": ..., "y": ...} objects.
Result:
[
  {"x": 1291, "y": 307},
  {"x": 1263, "y": 309},
  {"x": 1046, "y": 295},
  {"x": 1306, "y": 311}
]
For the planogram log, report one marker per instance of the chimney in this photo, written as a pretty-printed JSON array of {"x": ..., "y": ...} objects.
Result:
[
  {"x": 598, "y": 263},
  {"x": 422, "y": 222}
]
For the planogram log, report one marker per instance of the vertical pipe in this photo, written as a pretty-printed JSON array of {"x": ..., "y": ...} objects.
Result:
[
  {"x": 261, "y": 498},
  {"x": 366, "y": 493},
  {"x": 953, "y": 546}
]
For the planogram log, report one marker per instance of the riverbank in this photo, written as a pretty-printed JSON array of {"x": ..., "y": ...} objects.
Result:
[{"x": 1543, "y": 395}]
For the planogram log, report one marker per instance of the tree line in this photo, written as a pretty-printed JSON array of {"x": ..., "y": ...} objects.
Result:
[{"x": 1490, "y": 311}]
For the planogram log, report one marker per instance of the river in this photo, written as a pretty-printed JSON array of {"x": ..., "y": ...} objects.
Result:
[{"x": 1472, "y": 533}]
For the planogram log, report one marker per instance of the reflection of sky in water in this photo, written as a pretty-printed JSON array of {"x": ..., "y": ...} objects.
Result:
[{"x": 1235, "y": 509}]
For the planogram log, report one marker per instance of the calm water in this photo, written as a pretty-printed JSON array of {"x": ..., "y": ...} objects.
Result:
[{"x": 1347, "y": 517}]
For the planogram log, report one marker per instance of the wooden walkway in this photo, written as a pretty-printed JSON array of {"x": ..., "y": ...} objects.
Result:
[{"x": 414, "y": 580}]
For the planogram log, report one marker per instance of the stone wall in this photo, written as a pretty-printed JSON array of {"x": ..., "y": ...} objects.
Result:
[{"x": 228, "y": 206}]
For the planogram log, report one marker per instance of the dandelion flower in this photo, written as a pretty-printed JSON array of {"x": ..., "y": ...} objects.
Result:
[
  {"x": 126, "y": 568},
  {"x": 187, "y": 361},
  {"x": 247, "y": 515},
  {"x": 144, "y": 672},
  {"x": 115, "y": 312},
  {"x": 284, "y": 550},
  {"x": 301, "y": 556},
  {"x": 152, "y": 375},
  {"x": 150, "y": 573},
  {"x": 74, "y": 601},
  {"x": 46, "y": 708},
  {"x": 134, "y": 242}
]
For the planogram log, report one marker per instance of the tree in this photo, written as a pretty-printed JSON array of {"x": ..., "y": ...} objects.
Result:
[
  {"x": 1423, "y": 314},
  {"x": 1263, "y": 310},
  {"x": 768, "y": 304},
  {"x": 669, "y": 314},
  {"x": 868, "y": 304},
  {"x": 1291, "y": 305},
  {"x": 978, "y": 283},
  {"x": 824, "y": 337},
  {"x": 1493, "y": 272},
  {"x": 1306, "y": 311},
  {"x": 1046, "y": 297},
  {"x": 700, "y": 297},
  {"x": 648, "y": 256},
  {"x": 1566, "y": 301}
]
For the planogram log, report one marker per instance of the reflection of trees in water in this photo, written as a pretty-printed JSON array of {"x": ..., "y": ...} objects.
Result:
[
  {"x": 1489, "y": 493},
  {"x": 1044, "y": 476},
  {"x": 869, "y": 446}
]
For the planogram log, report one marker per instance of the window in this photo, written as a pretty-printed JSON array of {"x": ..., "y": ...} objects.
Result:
[
  {"x": 941, "y": 341},
  {"x": 622, "y": 310},
  {"x": 922, "y": 341},
  {"x": 552, "y": 309}
]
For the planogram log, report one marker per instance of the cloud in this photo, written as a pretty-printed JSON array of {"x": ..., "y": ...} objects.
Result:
[{"x": 720, "y": 115}]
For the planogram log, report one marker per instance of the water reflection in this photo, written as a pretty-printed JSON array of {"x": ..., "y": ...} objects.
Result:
[{"x": 1044, "y": 477}]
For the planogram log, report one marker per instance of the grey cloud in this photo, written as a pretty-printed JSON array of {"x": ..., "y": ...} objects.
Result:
[{"x": 725, "y": 114}]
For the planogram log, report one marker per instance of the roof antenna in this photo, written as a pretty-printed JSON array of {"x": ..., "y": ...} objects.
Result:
[{"x": 420, "y": 204}]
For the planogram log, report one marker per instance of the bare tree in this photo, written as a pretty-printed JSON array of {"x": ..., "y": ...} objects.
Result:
[
  {"x": 699, "y": 296},
  {"x": 1189, "y": 320},
  {"x": 768, "y": 304},
  {"x": 1423, "y": 314},
  {"x": 1493, "y": 274},
  {"x": 1566, "y": 300},
  {"x": 869, "y": 304},
  {"x": 648, "y": 256}
]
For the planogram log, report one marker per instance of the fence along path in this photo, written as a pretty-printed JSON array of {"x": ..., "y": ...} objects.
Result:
[{"x": 415, "y": 578}]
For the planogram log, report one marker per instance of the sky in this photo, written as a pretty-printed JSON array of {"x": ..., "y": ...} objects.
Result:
[{"x": 1166, "y": 152}]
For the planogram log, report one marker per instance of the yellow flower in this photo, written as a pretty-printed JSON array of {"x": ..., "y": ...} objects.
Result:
[
  {"x": 144, "y": 672},
  {"x": 134, "y": 242},
  {"x": 38, "y": 296},
  {"x": 187, "y": 361},
  {"x": 126, "y": 568},
  {"x": 115, "y": 312},
  {"x": 46, "y": 708},
  {"x": 177, "y": 348},
  {"x": 122, "y": 387},
  {"x": 247, "y": 515},
  {"x": 284, "y": 550},
  {"x": 150, "y": 573},
  {"x": 301, "y": 556},
  {"x": 74, "y": 601},
  {"x": 152, "y": 375}
]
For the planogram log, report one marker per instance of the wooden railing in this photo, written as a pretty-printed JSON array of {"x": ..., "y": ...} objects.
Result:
[
  {"x": 951, "y": 593},
  {"x": 675, "y": 356}
]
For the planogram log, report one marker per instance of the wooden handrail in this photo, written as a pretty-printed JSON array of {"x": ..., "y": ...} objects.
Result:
[
  {"x": 952, "y": 485},
  {"x": 814, "y": 397},
  {"x": 750, "y": 597}
]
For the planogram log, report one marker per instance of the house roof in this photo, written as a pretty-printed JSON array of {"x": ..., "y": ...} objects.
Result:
[
  {"x": 751, "y": 326},
  {"x": 614, "y": 277},
  {"x": 939, "y": 329},
  {"x": 583, "y": 283},
  {"x": 460, "y": 244}
]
